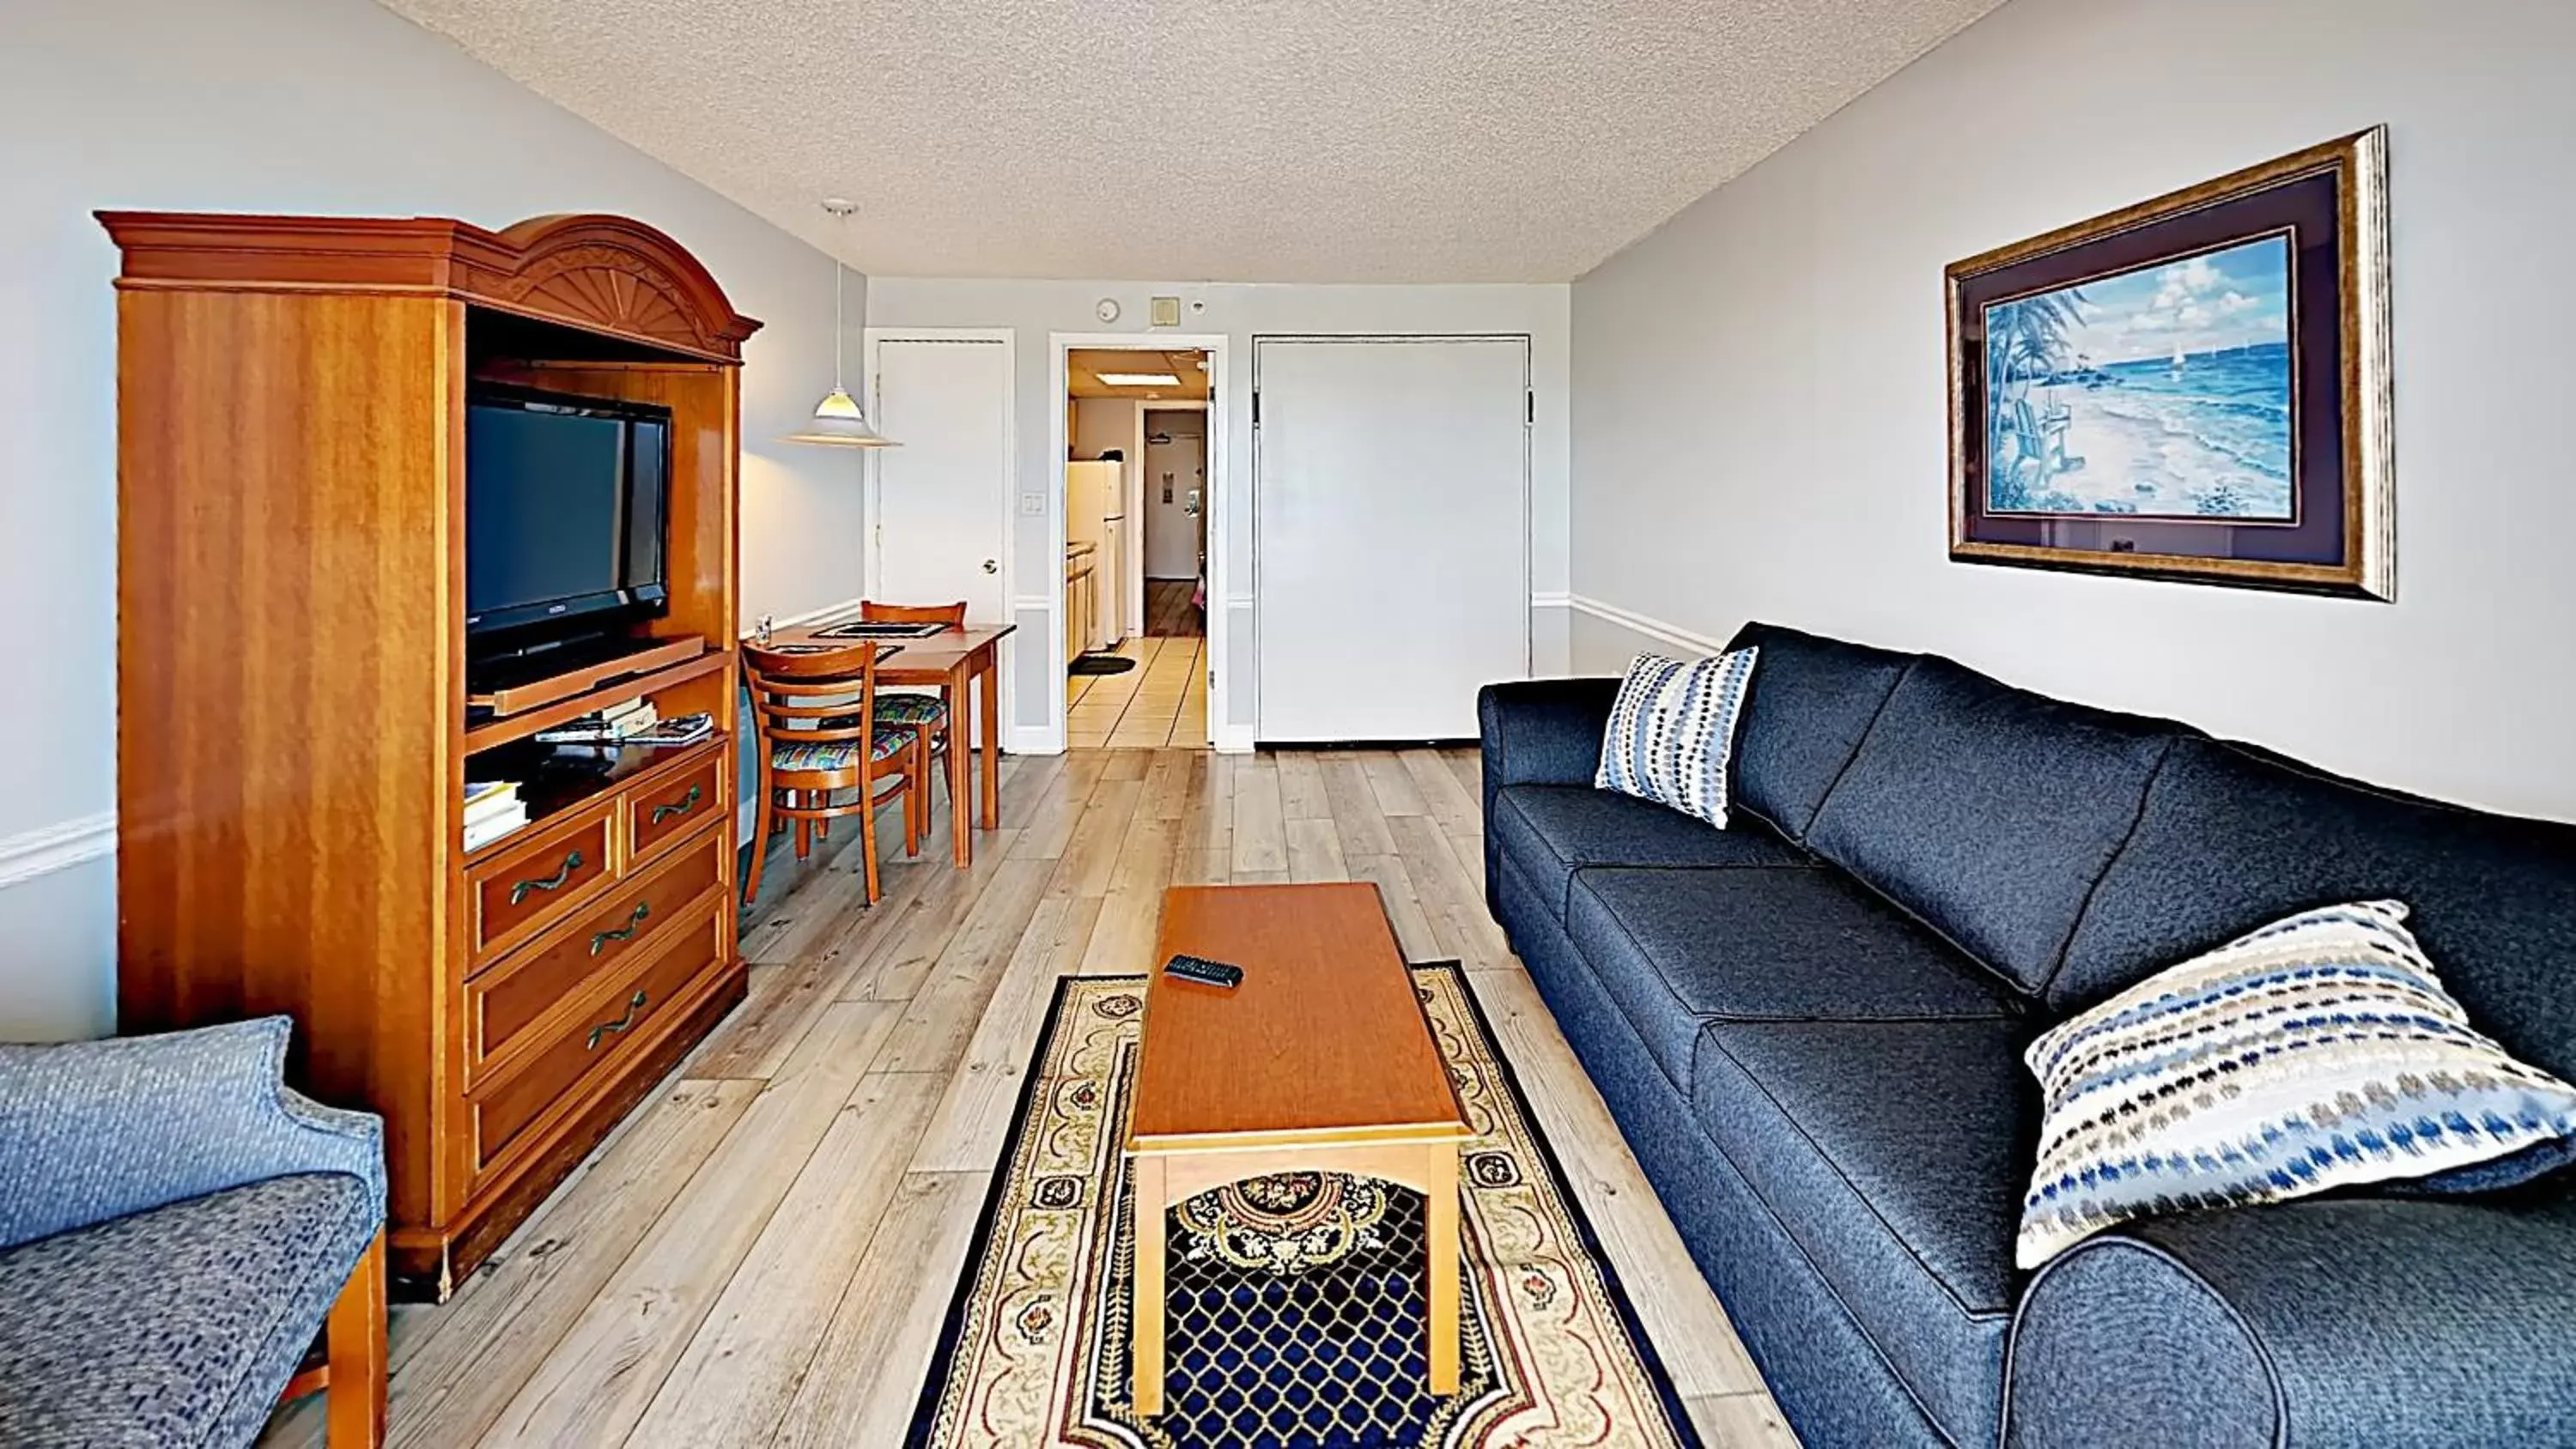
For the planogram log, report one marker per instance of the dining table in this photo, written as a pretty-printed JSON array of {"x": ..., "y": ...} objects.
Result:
[{"x": 962, "y": 662}]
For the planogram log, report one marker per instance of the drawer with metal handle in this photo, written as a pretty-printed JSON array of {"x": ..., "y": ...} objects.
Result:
[
  {"x": 574, "y": 1054},
  {"x": 515, "y": 994},
  {"x": 519, "y": 891},
  {"x": 660, "y": 816}
]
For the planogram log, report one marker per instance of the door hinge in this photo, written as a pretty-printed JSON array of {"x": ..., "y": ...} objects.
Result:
[
  {"x": 1211, "y": 680},
  {"x": 1256, "y": 407},
  {"x": 1531, "y": 397}
]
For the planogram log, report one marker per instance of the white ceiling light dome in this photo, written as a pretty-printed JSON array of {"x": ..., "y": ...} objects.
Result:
[{"x": 839, "y": 421}]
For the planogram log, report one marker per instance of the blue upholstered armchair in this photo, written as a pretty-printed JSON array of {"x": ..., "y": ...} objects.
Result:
[{"x": 175, "y": 1228}]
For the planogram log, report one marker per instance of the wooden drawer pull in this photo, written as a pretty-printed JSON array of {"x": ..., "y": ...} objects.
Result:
[
  {"x": 571, "y": 863},
  {"x": 624, "y": 932},
  {"x": 683, "y": 806},
  {"x": 634, "y": 1004}
]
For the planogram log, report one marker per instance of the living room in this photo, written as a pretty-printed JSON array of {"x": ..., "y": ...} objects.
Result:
[{"x": 2043, "y": 500}]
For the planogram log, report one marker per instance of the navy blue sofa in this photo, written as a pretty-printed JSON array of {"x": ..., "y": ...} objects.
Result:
[{"x": 1809, "y": 1026}]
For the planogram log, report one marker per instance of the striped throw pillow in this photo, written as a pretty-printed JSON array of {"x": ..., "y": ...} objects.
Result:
[
  {"x": 1672, "y": 729},
  {"x": 2318, "y": 1052}
]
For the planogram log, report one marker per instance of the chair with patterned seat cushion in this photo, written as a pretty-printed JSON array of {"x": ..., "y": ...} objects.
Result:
[
  {"x": 884, "y": 743},
  {"x": 929, "y": 708},
  {"x": 920, "y": 710},
  {"x": 814, "y": 714}
]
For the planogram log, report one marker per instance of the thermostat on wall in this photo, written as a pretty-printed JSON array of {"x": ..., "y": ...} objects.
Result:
[{"x": 1165, "y": 312}]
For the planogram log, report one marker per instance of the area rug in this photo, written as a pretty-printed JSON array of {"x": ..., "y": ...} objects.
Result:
[
  {"x": 1100, "y": 664},
  {"x": 1296, "y": 1301}
]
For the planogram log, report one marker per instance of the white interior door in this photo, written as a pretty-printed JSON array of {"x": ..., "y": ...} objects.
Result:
[
  {"x": 941, "y": 496},
  {"x": 1391, "y": 533},
  {"x": 1175, "y": 490}
]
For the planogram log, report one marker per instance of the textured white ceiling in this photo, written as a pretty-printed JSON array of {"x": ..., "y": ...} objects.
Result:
[{"x": 1207, "y": 140}]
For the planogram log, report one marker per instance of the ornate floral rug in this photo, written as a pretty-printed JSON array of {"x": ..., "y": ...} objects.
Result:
[{"x": 1295, "y": 1315}]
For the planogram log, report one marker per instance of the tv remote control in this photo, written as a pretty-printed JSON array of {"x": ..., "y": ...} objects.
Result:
[{"x": 1199, "y": 968}]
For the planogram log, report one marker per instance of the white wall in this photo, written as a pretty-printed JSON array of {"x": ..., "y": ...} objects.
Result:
[
  {"x": 1759, "y": 419},
  {"x": 288, "y": 106},
  {"x": 1240, "y": 312},
  {"x": 1103, "y": 422}
]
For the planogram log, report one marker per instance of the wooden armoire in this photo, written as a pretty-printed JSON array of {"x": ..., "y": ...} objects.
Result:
[{"x": 293, "y": 730}]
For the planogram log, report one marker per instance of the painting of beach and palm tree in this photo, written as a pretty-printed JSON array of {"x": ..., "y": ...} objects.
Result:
[
  {"x": 2163, "y": 391},
  {"x": 2195, "y": 387}
]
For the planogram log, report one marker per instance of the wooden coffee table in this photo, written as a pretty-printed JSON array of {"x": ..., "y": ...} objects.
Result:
[{"x": 1322, "y": 1060}]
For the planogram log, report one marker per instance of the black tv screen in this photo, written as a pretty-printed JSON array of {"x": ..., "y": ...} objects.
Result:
[{"x": 564, "y": 505}]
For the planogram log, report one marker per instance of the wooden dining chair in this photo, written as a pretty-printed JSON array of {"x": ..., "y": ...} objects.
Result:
[
  {"x": 813, "y": 715},
  {"x": 952, "y": 615},
  {"x": 929, "y": 710}
]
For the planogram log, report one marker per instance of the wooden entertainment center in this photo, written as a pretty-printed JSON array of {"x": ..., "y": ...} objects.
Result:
[{"x": 293, "y": 738}]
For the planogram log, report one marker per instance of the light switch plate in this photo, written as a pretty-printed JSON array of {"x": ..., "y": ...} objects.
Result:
[{"x": 1033, "y": 505}]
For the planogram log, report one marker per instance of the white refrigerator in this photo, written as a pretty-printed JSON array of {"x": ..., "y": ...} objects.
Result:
[{"x": 1095, "y": 512}]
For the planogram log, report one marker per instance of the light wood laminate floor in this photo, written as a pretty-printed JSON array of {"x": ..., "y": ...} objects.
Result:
[{"x": 762, "y": 1254}]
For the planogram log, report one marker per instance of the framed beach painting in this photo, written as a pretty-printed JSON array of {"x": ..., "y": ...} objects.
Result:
[{"x": 2194, "y": 388}]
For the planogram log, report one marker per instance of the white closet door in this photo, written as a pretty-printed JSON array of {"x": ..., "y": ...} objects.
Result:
[
  {"x": 1391, "y": 533},
  {"x": 940, "y": 497}
]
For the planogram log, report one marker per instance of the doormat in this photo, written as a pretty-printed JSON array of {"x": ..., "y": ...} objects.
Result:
[
  {"x": 1101, "y": 664},
  {"x": 1296, "y": 1315}
]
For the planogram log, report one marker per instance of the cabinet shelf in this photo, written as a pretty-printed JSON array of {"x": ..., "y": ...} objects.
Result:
[
  {"x": 521, "y": 726},
  {"x": 553, "y": 789}
]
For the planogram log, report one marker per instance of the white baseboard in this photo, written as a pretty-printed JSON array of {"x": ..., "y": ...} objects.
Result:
[
  {"x": 1030, "y": 740},
  {"x": 1653, "y": 628},
  {"x": 60, "y": 846}
]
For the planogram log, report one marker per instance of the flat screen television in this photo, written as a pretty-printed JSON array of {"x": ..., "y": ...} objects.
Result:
[{"x": 564, "y": 514}]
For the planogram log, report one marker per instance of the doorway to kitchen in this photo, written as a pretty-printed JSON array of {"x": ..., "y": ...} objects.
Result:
[{"x": 1135, "y": 507}]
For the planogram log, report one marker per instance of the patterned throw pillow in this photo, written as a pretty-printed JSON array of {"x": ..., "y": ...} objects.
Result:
[
  {"x": 2318, "y": 1052},
  {"x": 1672, "y": 729}
]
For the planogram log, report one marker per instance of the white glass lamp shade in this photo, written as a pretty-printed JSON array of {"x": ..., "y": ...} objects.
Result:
[{"x": 839, "y": 423}]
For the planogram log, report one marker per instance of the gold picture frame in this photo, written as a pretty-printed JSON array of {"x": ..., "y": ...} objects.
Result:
[{"x": 2251, "y": 462}]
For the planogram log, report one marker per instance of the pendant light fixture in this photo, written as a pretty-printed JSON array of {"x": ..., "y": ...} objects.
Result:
[{"x": 839, "y": 422}]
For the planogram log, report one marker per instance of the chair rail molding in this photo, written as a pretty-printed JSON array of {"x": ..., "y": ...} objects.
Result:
[
  {"x": 832, "y": 613},
  {"x": 60, "y": 846},
  {"x": 1653, "y": 628}
]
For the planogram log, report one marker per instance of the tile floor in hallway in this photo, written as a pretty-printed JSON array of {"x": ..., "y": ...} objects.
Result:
[
  {"x": 1161, "y": 702},
  {"x": 763, "y": 1253}
]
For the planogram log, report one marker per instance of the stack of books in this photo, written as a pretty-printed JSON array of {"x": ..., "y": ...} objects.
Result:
[{"x": 492, "y": 810}]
